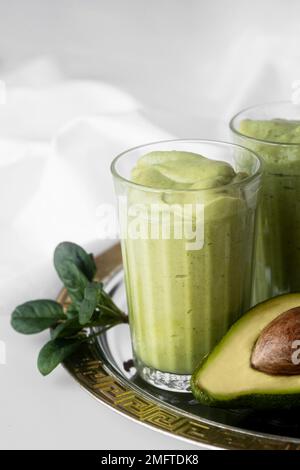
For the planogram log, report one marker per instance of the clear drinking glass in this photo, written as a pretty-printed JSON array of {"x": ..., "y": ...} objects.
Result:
[
  {"x": 271, "y": 131},
  {"x": 187, "y": 258}
]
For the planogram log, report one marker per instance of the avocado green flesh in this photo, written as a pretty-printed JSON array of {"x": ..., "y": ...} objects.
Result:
[{"x": 226, "y": 379}]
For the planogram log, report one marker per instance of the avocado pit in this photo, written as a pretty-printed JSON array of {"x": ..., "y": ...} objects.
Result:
[{"x": 275, "y": 348}]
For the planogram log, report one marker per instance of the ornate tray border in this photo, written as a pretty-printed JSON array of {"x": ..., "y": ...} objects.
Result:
[{"x": 97, "y": 378}]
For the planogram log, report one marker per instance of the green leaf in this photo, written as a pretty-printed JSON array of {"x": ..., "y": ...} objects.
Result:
[
  {"x": 92, "y": 295},
  {"x": 72, "y": 311},
  {"x": 66, "y": 329},
  {"x": 74, "y": 254},
  {"x": 74, "y": 280},
  {"x": 36, "y": 315},
  {"x": 108, "y": 303},
  {"x": 75, "y": 268},
  {"x": 54, "y": 352}
]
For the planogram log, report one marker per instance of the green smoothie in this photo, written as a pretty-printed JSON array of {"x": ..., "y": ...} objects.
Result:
[
  {"x": 182, "y": 301},
  {"x": 278, "y": 242}
]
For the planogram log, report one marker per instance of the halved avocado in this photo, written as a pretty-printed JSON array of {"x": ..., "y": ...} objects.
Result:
[{"x": 226, "y": 378}]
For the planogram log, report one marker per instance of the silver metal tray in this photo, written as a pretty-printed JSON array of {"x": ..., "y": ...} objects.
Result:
[{"x": 103, "y": 370}]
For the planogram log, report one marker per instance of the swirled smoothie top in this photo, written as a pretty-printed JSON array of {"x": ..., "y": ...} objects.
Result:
[
  {"x": 279, "y": 159},
  {"x": 182, "y": 170},
  {"x": 274, "y": 130}
]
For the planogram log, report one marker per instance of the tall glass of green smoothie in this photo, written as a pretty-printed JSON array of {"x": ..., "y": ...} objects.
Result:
[
  {"x": 273, "y": 131},
  {"x": 187, "y": 217}
]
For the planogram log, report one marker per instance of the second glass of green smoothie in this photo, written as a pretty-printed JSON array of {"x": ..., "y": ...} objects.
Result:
[
  {"x": 272, "y": 130},
  {"x": 187, "y": 217}
]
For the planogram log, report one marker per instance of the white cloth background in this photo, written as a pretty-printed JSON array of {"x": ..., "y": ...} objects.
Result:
[
  {"x": 181, "y": 71},
  {"x": 57, "y": 142}
]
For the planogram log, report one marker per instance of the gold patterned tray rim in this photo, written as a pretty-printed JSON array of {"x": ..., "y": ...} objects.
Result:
[{"x": 108, "y": 387}]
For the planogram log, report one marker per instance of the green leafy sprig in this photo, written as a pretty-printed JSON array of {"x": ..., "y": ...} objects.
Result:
[{"x": 90, "y": 307}]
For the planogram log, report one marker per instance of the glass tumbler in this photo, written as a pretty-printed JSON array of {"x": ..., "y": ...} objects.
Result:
[
  {"x": 187, "y": 258},
  {"x": 273, "y": 131}
]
